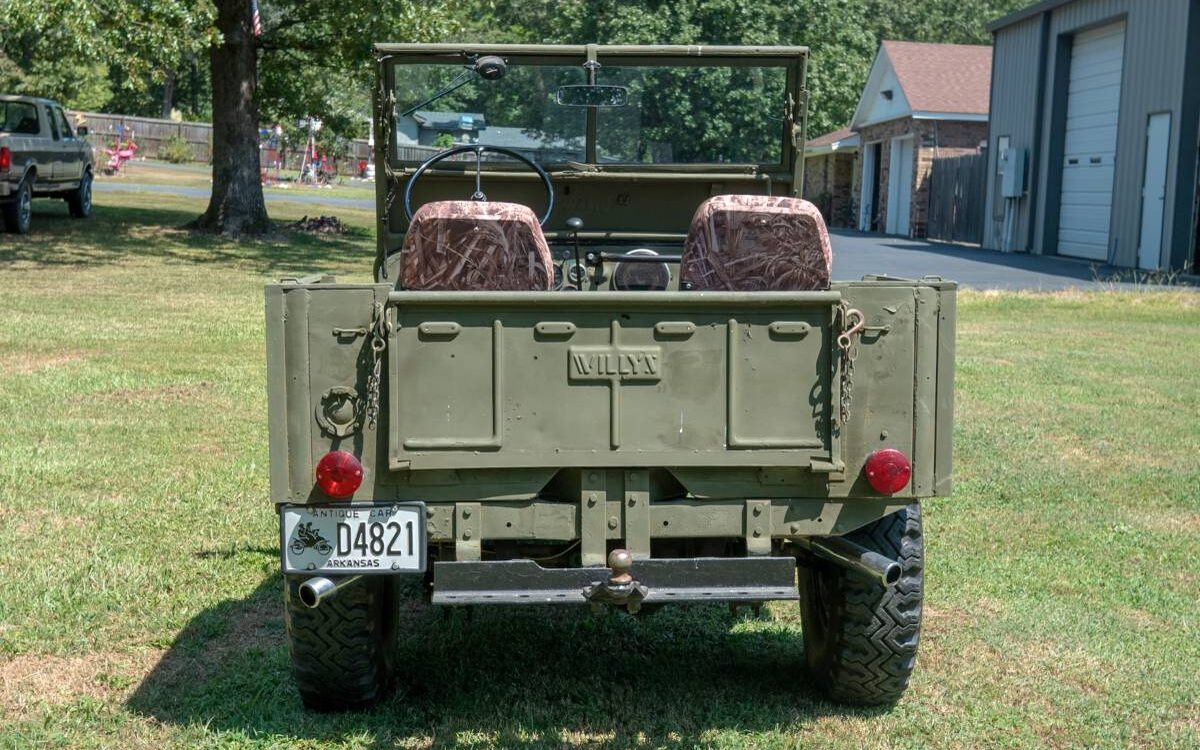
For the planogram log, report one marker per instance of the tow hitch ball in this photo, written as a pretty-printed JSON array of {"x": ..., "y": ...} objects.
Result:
[{"x": 620, "y": 590}]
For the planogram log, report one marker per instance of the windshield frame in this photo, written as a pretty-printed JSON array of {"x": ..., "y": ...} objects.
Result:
[{"x": 792, "y": 125}]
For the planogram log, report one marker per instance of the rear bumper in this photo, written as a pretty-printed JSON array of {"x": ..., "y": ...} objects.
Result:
[{"x": 706, "y": 579}]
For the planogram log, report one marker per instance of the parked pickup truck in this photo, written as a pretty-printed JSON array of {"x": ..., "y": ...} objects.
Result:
[
  {"x": 602, "y": 363},
  {"x": 41, "y": 156}
]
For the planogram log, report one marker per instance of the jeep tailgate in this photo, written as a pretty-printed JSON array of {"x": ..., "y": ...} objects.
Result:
[{"x": 613, "y": 379}]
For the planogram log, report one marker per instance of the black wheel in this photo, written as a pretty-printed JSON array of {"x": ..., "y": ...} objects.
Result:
[
  {"x": 860, "y": 637},
  {"x": 79, "y": 200},
  {"x": 343, "y": 650},
  {"x": 18, "y": 214}
]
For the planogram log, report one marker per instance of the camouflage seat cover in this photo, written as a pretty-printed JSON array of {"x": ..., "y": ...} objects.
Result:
[
  {"x": 475, "y": 246},
  {"x": 741, "y": 243}
]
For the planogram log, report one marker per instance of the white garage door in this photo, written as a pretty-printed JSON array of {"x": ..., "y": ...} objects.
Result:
[{"x": 1089, "y": 158}]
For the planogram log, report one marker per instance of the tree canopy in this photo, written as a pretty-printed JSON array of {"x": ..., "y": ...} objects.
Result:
[
  {"x": 842, "y": 35},
  {"x": 314, "y": 58},
  {"x": 145, "y": 57}
]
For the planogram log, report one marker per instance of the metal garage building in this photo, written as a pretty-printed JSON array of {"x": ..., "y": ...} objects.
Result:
[{"x": 1095, "y": 118}]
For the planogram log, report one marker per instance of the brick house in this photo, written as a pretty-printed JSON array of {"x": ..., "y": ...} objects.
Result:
[
  {"x": 921, "y": 102},
  {"x": 829, "y": 176}
]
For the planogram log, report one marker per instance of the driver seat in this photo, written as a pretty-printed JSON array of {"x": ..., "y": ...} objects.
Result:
[{"x": 475, "y": 246}]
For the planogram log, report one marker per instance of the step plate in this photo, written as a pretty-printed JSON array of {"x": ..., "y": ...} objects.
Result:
[{"x": 703, "y": 579}]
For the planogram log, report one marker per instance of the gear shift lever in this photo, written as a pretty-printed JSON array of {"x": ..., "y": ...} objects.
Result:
[{"x": 577, "y": 273}]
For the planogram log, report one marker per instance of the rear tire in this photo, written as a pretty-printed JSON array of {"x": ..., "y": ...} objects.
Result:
[
  {"x": 343, "y": 651},
  {"x": 860, "y": 637},
  {"x": 18, "y": 214},
  {"x": 79, "y": 200}
]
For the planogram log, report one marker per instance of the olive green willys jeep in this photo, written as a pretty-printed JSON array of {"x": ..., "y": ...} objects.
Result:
[{"x": 602, "y": 363}]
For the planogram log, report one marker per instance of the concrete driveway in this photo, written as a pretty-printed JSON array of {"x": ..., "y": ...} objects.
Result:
[{"x": 856, "y": 254}]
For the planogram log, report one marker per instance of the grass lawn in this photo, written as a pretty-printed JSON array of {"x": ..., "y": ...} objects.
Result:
[
  {"x": 140, "y": 602},
  {"x": 200, "y": 176}
]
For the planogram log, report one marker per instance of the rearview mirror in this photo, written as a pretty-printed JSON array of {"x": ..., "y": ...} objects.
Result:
[
  {"x": 592, "y": 96},
  {"x": 81, "y": 131}
]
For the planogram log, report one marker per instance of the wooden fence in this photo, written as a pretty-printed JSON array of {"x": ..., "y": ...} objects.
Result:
[
  {"x": 956, "y": 198},
  {"x": 150, "y": 133}
]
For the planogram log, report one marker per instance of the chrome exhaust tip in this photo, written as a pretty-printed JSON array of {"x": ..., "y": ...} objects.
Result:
[
  {"x": 855, "y": 558},
  {"x": 318, "y": 589}
]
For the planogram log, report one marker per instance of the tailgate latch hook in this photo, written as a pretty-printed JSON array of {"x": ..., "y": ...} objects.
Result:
[{"x": 855, "y": 322}]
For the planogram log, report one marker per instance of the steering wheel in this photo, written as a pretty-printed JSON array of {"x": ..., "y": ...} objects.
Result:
[{"x": 478, "y": 195}]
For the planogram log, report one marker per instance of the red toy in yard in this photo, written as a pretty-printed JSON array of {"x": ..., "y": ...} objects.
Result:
[{"x": 118, "y": 155}]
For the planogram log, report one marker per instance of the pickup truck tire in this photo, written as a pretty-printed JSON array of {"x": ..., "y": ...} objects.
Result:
[
  {"x": 18, "y": 214},
  {"x": 79, "y": 200},
  {"x": 343, "y": 651},
  {"x": 860, "y": 637}
]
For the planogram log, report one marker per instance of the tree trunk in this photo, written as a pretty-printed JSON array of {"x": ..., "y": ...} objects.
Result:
[
  {"x": 236, "y": 207},
  {"x": 168, "y": 97}
]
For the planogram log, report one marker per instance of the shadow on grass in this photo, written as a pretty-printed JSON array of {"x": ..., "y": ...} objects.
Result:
[
  {"x": 119, "y": 233},
  {"x": 512, "y": 677}
]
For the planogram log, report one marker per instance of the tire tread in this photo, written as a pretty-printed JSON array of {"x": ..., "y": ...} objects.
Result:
[
  {"x": 342, "y": 650},
  {"x": 869, "y": 650}
]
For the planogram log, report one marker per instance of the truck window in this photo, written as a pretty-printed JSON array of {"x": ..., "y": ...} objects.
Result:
[
  {"x": 19, "y": 117},
  {"x": 53, "y": 124},
  {"x": 63, "y": 124}
]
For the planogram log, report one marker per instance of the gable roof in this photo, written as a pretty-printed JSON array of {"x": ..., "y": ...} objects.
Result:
[
  {"x": 936, "y": 81},
  {"x": 943, "y": 77},
  {"x": 838, "y": 140}
]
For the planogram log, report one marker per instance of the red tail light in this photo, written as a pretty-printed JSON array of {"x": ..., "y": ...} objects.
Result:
[
  {"x": 339, "y": 474},
  {"x": 5, "y": 159},
  {"x": 888, "y": 471}
]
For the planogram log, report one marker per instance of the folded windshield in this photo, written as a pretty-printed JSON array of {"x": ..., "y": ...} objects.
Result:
[{"x": 644, "y": 114}]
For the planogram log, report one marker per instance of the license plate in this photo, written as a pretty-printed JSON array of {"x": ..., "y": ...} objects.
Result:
[{"x": 353, "y": 539}]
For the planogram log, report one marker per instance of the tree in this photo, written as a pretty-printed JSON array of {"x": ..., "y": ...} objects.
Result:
[
  {"x": 145, "y": 39},
  {"x": 942, "y": 21},
  {"x": 30, "y": 67},
  {"x": 315, "y": 57},
  {"x": 843, "y": 47},
  {"x": 843, "y": 35},
  {"x": 236, "y": 205}
]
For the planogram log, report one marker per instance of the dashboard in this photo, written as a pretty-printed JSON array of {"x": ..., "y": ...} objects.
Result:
[{"x": 646, "y": 268}]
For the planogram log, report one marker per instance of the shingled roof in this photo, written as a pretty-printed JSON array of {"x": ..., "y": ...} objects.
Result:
[
  {"x": 935, "y": 81},
  {"x": 943, "y": 77},
  {"x": 838, "y": 140}
]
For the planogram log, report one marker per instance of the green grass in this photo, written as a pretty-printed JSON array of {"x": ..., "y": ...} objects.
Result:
[
  {"x": 197, "y": 175},
  {"x": 140, "y": 603}
]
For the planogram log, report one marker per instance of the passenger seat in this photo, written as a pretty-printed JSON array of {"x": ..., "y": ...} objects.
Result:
[{"x": 743, "y": 243}]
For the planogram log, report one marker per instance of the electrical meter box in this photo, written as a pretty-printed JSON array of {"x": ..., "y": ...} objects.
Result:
[{"x": 1012, "y": 173}]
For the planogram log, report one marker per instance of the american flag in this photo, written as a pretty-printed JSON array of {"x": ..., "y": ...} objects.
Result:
[{"x": 255, "y": 19}]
